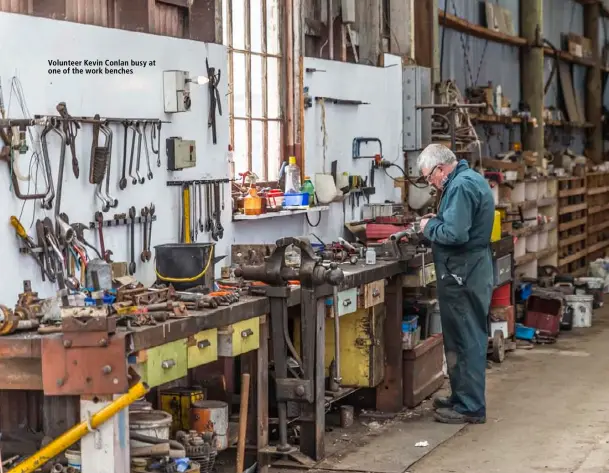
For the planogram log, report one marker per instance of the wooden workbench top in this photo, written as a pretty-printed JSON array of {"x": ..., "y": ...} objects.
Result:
[{"x": 28, "y": 344}]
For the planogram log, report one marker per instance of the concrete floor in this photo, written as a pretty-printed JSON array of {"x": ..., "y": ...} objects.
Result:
[{"x": 548, "y": 411}]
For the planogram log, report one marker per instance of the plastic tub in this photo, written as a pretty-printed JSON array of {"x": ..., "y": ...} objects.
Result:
[
  {"x": 73, "y": 457},
  {"x": 410, "y": 323},
  {"x": 524, "y": 333},
  {"x": 300, "y": 199},
  {"x": 582, "y": 309}
]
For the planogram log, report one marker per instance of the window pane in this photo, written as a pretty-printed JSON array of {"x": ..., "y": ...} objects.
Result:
[
  {"x": 257, "y": 150},
  {"x": 257, "y": 85},
  {"x": 274, "y": 151},
  {"x": 239, "y": 86},
  {"x": 240, "y": 146},
  {"x": 256, "y": 25},
  {"x": 238, "y": 24},
  {"x": 274, "y": 99},
  {"x": 272, "y": 26}
]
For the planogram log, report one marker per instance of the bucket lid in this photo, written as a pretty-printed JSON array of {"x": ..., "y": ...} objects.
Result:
[{"x": 209, "y": 404}]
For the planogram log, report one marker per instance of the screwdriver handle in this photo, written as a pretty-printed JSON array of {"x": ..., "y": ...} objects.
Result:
[{"x": 18, "y": 227}]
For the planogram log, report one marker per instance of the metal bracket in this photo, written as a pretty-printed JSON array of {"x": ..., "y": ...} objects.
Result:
[{"x": 292, "y": 389}]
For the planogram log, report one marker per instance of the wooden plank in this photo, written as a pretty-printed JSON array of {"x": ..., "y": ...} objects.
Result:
[
  {"x": 547, "y": 202},
  {"x": 389, "y": 394},
  {"x": 547, "y": 252},
  {"x": 598, "y": 208},
  {"x": 572, "y": 208},
  {"x": 21, "y": 373},
  {"x": 598, "y": 246},
  {"x": 133, "y": 15},
  {"x": 524, "y": 259},
  {"x": 424, "y": 33},
  {"x": 570, "y": 240},
  {"x": 568, "y": 58},
  {"x": 202, "y": 20},
  {"x": 55, "y": 9},
  {"x": 459, "y": 24},
  {"x": 569, "y": 225},
  {"x": 571, "y": 192},
  {"x": 573, "y": 257},
  {"x": 401, "y": 23},
  {"x": 598, "y": 190},
  {"x": 598, "y": 227},
  {"x": 594, "y": 82},
  {"x": 526, "y": 231}
]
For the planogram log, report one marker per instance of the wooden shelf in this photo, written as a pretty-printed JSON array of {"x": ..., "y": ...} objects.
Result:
[
  {"x": 574, "y": 257},
  {"x": 529, "y": 257},
  {"x": 526, "y": 231},
  {"x": 459, "y": 24},
  {"x": 567, "y": 57},
  {"x": 561, "y": 124},
  {"x": 498, "y": 119}
]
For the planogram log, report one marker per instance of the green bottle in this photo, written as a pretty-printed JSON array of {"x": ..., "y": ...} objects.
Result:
[{"x": 307, "y": 186}]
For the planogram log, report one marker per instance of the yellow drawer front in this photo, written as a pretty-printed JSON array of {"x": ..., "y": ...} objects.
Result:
[
  {"x": 374, "y": 293},
  {"x": 165, "y": 363},
  {"x": 239, "y": 338},
  {"x": 203, "y": 348}
]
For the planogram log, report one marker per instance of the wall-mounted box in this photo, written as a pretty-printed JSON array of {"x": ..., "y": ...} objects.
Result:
[
  {"x": 181, "y": 153},
  {"x": 176, "y": 91},
  {"x": 416, "y": 90}
]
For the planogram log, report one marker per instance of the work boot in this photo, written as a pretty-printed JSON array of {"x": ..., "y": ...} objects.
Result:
[
  {"x": 442, "y": 402},
  {"x": 450, "y": 416}
]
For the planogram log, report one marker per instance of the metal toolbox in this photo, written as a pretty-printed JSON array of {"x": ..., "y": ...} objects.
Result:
[{"x": 503, "y": 269}]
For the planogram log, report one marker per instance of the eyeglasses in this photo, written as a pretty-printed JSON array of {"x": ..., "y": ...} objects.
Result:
[{"x": 430, "y": 175}]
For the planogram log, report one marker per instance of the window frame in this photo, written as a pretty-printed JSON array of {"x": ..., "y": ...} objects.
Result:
[{"x": 247, "y": 54}]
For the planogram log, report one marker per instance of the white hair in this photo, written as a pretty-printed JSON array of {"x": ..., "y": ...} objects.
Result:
[{"x": 435, "y": 155}]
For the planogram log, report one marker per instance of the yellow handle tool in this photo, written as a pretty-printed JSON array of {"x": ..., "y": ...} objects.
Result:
[
  {"x": 19, "y": 228},
  {"x": 69, "y": 438},
  {"x": 186, "y": 199}
]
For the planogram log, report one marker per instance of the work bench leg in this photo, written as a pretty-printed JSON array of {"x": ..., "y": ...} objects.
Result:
[
  {"x": 107, "y": 448},
  {"x": 262, "y": 396},
  {"x": 313, "y": 350},
  {"x": 389, "y": 394}
]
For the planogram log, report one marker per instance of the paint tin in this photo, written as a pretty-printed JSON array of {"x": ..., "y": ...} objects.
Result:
[
  {"x": 211, "y": 416},
  {"x": 155, "y": 424},
  {"x": 73, "y": 457}
]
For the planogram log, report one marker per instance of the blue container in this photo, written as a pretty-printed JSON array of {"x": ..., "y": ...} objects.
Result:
[
  {"x": 524, "y": 291},
  {"x": 410, "y": 323},
  {"x": 525, "y": 333},
  {"x": 300, "y": 199}
]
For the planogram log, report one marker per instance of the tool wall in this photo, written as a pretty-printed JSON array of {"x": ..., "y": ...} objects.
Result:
[{"x": 29, "y": 89}]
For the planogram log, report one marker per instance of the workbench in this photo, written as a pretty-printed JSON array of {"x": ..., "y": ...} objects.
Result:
[{"x": 21, "y": 364}]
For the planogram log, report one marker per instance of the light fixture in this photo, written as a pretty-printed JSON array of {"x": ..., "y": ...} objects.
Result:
[{"x": 201, "y": 80}]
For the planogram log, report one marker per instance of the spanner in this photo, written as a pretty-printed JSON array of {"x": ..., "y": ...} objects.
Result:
[
  {"x": 150, "y": 214},
  {"x": 145, "y": 212},
  {"x": 138, "y": 176},
  {"x": 200, "y": 192},
  {"x": 132, "y": 262},
  {"x": 134, "y": 179},
  {"x": 217, "y": 212},
  {"x": 150, "y": 175},
  {"x": 112, "y": 200},
  {"x": 106, "y": 254},
  {"x": 123, "y": 182},
  {"x": 155, "y": 134}
]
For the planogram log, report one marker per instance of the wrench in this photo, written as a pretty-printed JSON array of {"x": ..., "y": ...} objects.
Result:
[
  {"x": 151, "y": 213},
  {"x": 155, "y": 134},
  {"x": 201, "y": 224},
  {"x": 106, "y": 254},
  {"x": 193, "y": 219},
  {"x": 134, "y": 179},
  {"x": 150, "y": 175},
  {"x": 208, "y": 221},
  {"x": 112, "y": 200},
  {"x": 132, "y": 262},
  {"x": 218, "y": 213},
  {"x": 70, "y": 128},
  {"x": 145, "y": 212},
  {"x": 138, "y": 176},
  {"x": 123, "y": 182}
]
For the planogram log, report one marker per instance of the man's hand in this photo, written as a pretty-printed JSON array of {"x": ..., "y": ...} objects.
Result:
[
  {"x": 423, "y": 223},
  {"x": 428, "y": 216}
]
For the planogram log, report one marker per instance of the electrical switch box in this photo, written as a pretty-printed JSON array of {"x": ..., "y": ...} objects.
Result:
[
  {"x": 416, "y": 90},
  {"x": 181, "y": 153},
  {"x": 347, "y": 8},
  {"x": 176, "y": 91}
]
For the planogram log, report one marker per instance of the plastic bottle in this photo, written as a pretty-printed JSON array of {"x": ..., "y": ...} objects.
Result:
[
  {"x": 370, "y": 256},
  {"x": 499, "y": 100},
  {"x": 292, "y": 177},
  {"x": 308, "y": 188}
]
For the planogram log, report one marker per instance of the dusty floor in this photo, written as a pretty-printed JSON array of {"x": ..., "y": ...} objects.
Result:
[{"x": 548, "y": 411}]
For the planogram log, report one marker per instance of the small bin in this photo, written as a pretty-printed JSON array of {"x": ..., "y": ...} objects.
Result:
[
  {"x": 422, "y": 370},
  {"x": 300, "y": 199},
  {"x": 544, "y": 314}
]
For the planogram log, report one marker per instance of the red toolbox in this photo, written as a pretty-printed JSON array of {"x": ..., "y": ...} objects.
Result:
[{"x": 544, "y": 313}]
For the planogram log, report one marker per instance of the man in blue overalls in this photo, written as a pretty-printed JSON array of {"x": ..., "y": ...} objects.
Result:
[{"x": 460, "y": 235}]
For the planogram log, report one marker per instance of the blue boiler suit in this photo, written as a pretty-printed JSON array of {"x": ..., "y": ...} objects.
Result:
[{"x": 460, "y": 235}]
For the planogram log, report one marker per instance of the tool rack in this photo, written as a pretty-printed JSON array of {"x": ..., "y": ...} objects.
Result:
[
  {"x": 597, "y": 193},
  {"x": 117, "y": 222},
  {"x": 572, "y": 225}
]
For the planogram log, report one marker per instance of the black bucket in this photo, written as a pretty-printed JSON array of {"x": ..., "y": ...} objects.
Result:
[{"x": 185, "y": 265}]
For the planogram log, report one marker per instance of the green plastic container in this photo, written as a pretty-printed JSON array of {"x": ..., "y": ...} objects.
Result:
[{"x": 309, "y": 188}]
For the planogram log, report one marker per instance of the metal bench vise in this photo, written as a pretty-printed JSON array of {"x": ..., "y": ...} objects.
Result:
[{"x": 308, "y": 388}]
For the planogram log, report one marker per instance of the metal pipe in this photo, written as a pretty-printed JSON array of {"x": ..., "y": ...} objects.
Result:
[
  {"x": 336, "y": 335},
  {"x": 69, "y": 438},
  {"x": 330, "y": 7},
  {"x": 289, "y": 68}
]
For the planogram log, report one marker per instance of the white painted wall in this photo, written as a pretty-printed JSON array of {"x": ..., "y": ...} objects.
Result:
[
  {"x": 382, "y": 118},
  {"x": 140, "y": 95},
  {"x": 137, "y": 95}
]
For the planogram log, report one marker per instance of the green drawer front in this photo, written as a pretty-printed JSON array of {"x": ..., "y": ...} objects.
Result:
[{"x": 165, "y": 363}]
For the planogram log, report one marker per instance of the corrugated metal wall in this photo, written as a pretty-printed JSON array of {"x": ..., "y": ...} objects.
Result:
[
  {"x": 498, "y": 63},
  {"x": 164, "y": 19}
]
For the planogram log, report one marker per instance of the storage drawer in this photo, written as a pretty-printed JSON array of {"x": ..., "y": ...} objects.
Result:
[
  {"x": 239, "y": 338},
  {"x": 503, "y": 269},
  {"x": 347, "y": 301},
  {"x": 165, "y": 363},
  {"x": 203, "y": 348},
  {"x": 420, "y": 277},
  {"x": 373, "y": 294}
]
